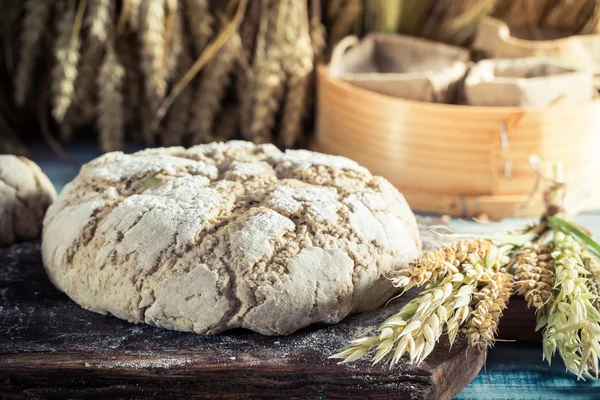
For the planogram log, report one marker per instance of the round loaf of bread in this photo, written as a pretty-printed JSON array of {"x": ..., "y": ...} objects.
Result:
[
  {"x": 25, "y": 194},
  {"x": 228, "y": 235}
]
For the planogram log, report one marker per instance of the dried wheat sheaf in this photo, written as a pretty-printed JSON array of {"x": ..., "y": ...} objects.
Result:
[{"x": 112, "y": 65}]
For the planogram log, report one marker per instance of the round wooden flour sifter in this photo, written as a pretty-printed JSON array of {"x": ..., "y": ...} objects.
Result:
[{"x": 460, "y": 160}]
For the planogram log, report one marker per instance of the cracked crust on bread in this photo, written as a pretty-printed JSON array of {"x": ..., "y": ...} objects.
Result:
[{"x": 228, "y": 235}]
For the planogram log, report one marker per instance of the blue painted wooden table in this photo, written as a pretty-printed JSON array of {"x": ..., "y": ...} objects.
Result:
[{"x": 512, "y": 371}]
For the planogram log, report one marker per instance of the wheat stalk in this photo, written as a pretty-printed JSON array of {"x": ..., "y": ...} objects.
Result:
[
  {"x": 66, "y": 50},
  {"x": 111, "y": 121},
  {"x": 153, "y": 55},
  {"x": 210, "y": 92},
  {"x": 298, "y": 63},
  {"x": 178, "y": 117},
  {"x": 36, "y": 19}
]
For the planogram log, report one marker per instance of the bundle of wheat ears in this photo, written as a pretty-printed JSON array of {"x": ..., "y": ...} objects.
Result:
[
  {"x": 553, "y": 264},
  {"x": 170, "y": 72},
  {"x": 174, "y": 72}
]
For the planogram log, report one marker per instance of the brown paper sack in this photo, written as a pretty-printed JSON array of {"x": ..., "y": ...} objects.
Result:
[
  {"x": 400, "y": 66},
  {"x": 526, "y": 82},
  {"x": 495, "y": 39}
]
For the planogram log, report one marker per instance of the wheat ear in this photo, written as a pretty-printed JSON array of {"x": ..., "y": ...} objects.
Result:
[
  {"x": 535, "y": 274},
  {"x": 265, "y": 93},
  {"x": 173, "y": 37},
  {"x": 317, "y": 31},
  {"x": 209, "y": 93},
  {"x": 110, "y": 103},
  {"x": 298, "y": 68},
  {"x": 36, "y": 18},
  {"x": 64, "y": 72},
  {"x": 249, "y": 29},
  {"x": 433, "y": 265},
  {"x": 229, "y": 30},
  {"x": 153, "y": 53},
  {"x": 571, "y": 323},
  {"x": 444, "y": 306},
  {"x": 249, "y": 32},
  {"x": 133, "y": 16},
  {"x": 127, "y": 52},
  {"x": 318, "y": 43},
  {"x": 246, "y": 79},
  {"x": 100, "y": 16},
  {"x": 178, "y": 116},
  {"x": 489, "y": 304},
  {"x": 593, "y": 281},
  {"x": 200, "y": 23}
]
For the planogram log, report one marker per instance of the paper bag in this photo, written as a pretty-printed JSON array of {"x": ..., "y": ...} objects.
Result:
[
  {"x": 401, "y": 66},
  {"x": 526, "y": 82}
]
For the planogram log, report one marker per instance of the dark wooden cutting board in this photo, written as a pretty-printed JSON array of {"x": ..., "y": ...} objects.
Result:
[{"x": 50, "y": 348}]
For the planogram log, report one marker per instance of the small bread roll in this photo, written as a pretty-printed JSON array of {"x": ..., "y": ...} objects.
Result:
[{"x": 25, "y": 194}]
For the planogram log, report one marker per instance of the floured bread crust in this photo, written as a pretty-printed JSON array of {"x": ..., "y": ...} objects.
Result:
[
  {"x": 227, "y": 235},
  {"x": 25, "y": 194}
]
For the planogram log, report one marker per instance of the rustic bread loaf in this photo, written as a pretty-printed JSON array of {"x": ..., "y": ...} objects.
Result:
[
  {"x": 227, "y": 235},
  {"x": 25, "y": 194}
]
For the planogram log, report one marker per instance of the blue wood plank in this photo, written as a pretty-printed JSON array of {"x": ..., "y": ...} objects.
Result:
[
  {"x": 516, "y": 371},
  {"x": 513, "y": 371}
]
